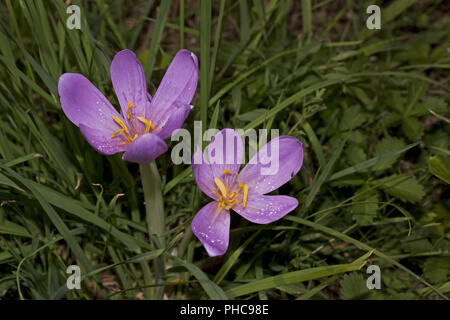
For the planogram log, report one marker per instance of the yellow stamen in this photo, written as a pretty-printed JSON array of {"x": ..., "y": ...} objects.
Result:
[
  {"x": 116, "y": 133},
  {"x": 221, "y": 187},
  {"x": 240, "y": 184},
  {"x": 226, "y": 172},
  {"x": 120, "y": 123},
  {"x": 244, "y": 198},
  {"x": 148, "y": 124},
  {"x": 130, "y": 105}
]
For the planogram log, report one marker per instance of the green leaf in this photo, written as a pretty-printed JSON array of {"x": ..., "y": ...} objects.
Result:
[
  {"x": 355, "y": 154},
  {"x": 412, "y": 128},
  {"x": 435, "y": 104},
  {"x": 163, "y": 11},
  {"x": 150, "y": 255},
  {"x": 56, "y": 220},
  {"x": 371, "y": 162},
  {"x": 402, "y": 187},
  {"x": 440, "y": 167},
  {"x": 364, "y": 213},
  {"x": 296, "y": 276},
  {"x": 310, "y": 293},
  {"x": 321, "y": 177},
  {"x": 205, "y": 57},
  {"x": 232, "y": 258},
  {"x": 385, "y": 146},
  {"x": 344, "y": 237},
  {"x": 213, "y": 290},
  {"x": 352, "y": 118},
  {"x": 172, "y": 183},
  {"x": 362, "y": 96},
  {"x": 8, "y": 227},
  {"x": 8, "y": 182},
  {"x": 395, "y": 9},
  {"x": 354, "y": 287},
  {"x": 437, "y": 268},
  {"x": 251, "y": 115},
  {"x": 417, "y": 245},
  {"x": 76, "y": 208}
]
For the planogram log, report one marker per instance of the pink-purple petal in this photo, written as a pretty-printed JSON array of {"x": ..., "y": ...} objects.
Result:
[
  {"x": 145, "y": 149},
  {"x": 83, "y": 103},
  {"x": 174, "y": 120},
  {"x": 284, "y": 167},
  {"x": 128, "y": 79},
  {"x": 204, "y": 175},
  {"x": 212, "y": 227},
  {"x": 101, "y": 140},
  {"x": 264, "y": 209},
  {"x": 178, "y": 84},
  {"x": 225, "y": 152}
]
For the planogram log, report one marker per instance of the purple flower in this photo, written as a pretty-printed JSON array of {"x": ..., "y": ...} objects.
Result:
[
  {"x": 144, "y": 122},
  {"x": 243, "y": 191}
]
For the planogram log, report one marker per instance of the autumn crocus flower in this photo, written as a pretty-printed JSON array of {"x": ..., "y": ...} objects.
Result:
[
  {"x": 144, "y": 122},
  {"x": 244, "y": 192}
]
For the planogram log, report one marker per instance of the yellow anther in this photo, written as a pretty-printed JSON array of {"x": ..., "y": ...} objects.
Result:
[
  {"x": 134, "y": 137},
  {"x": 120, "y": 123},
  {"x": 116, "y": 133},
  {"x": 244, "y": 198},
  {"x": 130, "y": 105},
  {"x": 221, "y": 187},
  {"x": 226, "y": 172},
  {"x": 148, "y": 124},
  {"x": 240, "y": 184}
]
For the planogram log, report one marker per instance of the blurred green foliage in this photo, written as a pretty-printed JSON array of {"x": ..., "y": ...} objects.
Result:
[{"x": 370, "y": 106}]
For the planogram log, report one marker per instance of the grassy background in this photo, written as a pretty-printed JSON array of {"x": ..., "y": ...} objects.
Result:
[{"x": 370, "y": 107}]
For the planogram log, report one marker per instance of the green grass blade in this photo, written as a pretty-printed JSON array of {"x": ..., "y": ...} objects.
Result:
[
  {"x": 232, "y": 259},
  {"x": 205, "y": 43},
  {"x": 217, "y": 41},
  {"x": 323, "y": 176},
  {"x": 163, "y": 11},
  {"x": 307, "y": 19},
  {"x": 360, "y": 244},
  {"x": 295, "y": 276},
  {"x": 371, "y": 162},
  {"x": 213, "y": 290}
]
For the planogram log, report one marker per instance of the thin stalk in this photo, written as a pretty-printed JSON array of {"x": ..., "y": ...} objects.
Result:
[
  {"x": 163, "y": 11},
  {"x": 181, "y": 24},
  {"x": 154, "y": 214},
  {"x": 205, "y": 43},
  {"x": 306, "y": 19},
  {"x": 217, "y": 39},
  {"x": 188, "y": 234},
  {"x": 184, "y": 243}
]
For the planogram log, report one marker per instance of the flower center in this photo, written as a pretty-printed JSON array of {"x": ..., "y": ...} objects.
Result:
[
  {"x": 228, "y": 191},
  {"x": 127, "y": 134}
]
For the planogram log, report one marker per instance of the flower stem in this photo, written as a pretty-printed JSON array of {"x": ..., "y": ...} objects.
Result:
[
  {"x": 188, "y": 234},
  {"x": 184, "y": 243},
  {"x": 154, "y": 209}
]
